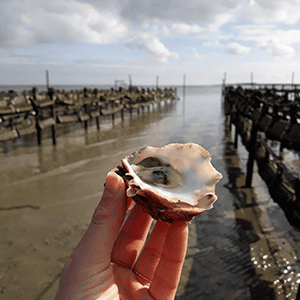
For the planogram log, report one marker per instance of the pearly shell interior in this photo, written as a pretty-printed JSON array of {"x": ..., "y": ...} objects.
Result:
[{"x": 181, "y": 173}]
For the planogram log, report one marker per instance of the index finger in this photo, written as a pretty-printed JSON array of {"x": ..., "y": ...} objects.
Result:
[{"x": 167, "y": 275}]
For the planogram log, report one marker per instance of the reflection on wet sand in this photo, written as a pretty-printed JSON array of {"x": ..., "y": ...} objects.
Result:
[
  {"x": 245, "y": 248},
  {"x": 49, "y": 193},
  {"x": 273, "y": 257}
]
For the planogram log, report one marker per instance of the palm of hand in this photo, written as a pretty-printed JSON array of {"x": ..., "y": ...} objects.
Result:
[{"x": 115, "y": 260}]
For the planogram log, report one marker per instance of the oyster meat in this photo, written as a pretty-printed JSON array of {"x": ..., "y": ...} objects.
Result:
[{"x": 175, "y": 182}]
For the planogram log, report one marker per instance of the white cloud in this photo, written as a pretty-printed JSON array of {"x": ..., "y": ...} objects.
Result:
[
  {"x": 41, "y": 22},
  {"x": 237, "y": 49},
  {"x": 69, "y": 32},
  {"x": 276, "y": 42},
  {"x": 283, "y": 11},
  {"x": 153, "y": 46},
  {"x": 208, "y": 13},
  {"x": 275, "y": 48},
  {"x": 214, "y": 38},
  {"x": 184, "y": 29},
  {"x": 29, "y": 23},
  {"x": 212, "y": 44},
  {"x": 196, "y": 55}
]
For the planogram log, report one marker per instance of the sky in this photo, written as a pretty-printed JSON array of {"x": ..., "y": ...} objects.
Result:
[{"x": 98, "y": 42}]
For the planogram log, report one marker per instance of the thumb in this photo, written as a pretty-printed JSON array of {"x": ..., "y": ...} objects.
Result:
[
  {"x": 112, "y": 205},
  {"x": 96, "y": 245}
]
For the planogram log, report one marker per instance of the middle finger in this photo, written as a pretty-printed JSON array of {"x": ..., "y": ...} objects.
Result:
[{"x": 131, "y": 238}]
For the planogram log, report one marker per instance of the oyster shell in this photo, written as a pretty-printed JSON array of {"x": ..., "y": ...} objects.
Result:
[{"x": 175, "y": 182}]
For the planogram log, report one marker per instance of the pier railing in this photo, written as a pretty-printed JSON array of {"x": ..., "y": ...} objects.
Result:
[
  {"x": 32, "y": 112},
  {"x": 266, "y": 115}
]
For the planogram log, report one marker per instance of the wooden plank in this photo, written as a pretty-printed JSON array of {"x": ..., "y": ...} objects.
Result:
[
  {"x": 95, "y": 114},
  {"x": 110, "y": 111},
  {"x": 44, "y": 103},
  {"x": 83, "y": 116},
  {"x": 46, "y": 123},
  {"x": 8, "y": 134},
  {"x": 23, "y": 108},
  {"x": 117, "y": 109},
  {"x": 67, "y": 118},
  {"x": 105, "y": 111},
  {"x": 7, "y": 110},
  {"x": 144, "y": 105},
  {"x": 27, "y": 130},
  {"x": 133, "y": 106}
]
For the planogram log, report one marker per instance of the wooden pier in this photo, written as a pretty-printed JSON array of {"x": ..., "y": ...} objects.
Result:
[
  {"x": 32, "y": 112},
  {"x": 266, "y": 114}
]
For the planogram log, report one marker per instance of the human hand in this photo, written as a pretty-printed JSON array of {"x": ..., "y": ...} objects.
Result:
[{"x": 112, "y": 259}]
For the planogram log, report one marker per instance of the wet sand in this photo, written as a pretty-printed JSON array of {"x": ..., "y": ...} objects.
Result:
[{"x": 244, "y": 248}]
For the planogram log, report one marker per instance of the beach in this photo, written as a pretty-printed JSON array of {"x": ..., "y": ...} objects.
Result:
[{"x": 244, "y": 248}]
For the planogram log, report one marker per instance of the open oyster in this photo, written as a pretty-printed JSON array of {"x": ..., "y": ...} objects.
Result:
[{"x": 175, "y": 182}]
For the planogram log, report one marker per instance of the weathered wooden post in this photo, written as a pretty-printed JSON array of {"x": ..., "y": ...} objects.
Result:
[
  {"x": 130, "y": 105},
  {"x": 297, "y": 190},
  {"x": 183, "y": 87},
  {"x": 130, "y": 97},
  {"x": 36, "y": 111},
  {"x": 138, "y": 100},
  {"x": 236, "y": 134},
  {"x": 95, "y": 101},
  {"x": 47, "y": 79},
  {"x": 224, "y": 84},
  {"x": 130, "y": 82},
  {"x": 85, "y": 120},
  {"x": 113, "y": 113},
  {"x": 251, "y": 156},
  {"x": 122, "y": 110},
  {"x": 38, "y": 132},
  {"x": 98, "y": 116},
  {"x": 113, "y": 118},
  {"x": 52, "y": 95}
]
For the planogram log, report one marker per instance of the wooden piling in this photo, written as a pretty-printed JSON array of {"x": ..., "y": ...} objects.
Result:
[
  {"x": 283, "y": 189},
  {"x": 236, "y": 136},
  {"x": 47, "y": 79},
  {"x": 85, "y": 121},
  {"x": 39, "y": 133},
  {"x": 122, "y": 113},
  {"x": 98, "y": 117},
  {"x": 45, "y": 108},
  {"x": 251, "y": 156},
  {"x": 53, "y": 127},
  {"x": 183, "y": 86},
  {"x": 113, "y": 118}
]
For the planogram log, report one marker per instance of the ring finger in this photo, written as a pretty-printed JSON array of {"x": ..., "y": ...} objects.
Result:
[{"x": 148, "y": 260}]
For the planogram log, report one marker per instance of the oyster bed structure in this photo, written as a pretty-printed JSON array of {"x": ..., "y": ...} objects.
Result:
[{"x": 175, "y": 182}]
